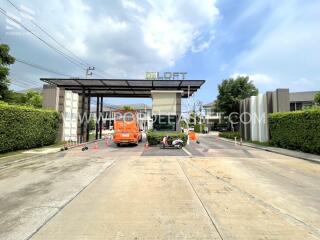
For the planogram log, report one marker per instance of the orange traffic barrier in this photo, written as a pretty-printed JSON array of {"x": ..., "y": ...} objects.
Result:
[{"x": 193, "y": 136}]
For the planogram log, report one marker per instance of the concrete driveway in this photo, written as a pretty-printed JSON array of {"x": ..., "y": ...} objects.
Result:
[{"x": 222, "y": 191}]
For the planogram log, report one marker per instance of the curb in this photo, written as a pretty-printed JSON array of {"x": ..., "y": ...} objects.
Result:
[
  {"x": 45, "y": 154},
  {"x": 274, "y": 151}
]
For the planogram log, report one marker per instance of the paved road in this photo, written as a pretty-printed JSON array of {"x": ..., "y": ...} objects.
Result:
[{"x": 222, "y": 191}]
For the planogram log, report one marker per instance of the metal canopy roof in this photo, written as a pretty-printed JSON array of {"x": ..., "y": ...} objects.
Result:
[{"x": 124, "y": 87}]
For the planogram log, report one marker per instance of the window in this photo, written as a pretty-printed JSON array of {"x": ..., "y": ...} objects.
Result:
[
  {"x": 292, "y": 106},
  {"x": 128, "y": 117},
  {"x": 307, "y": 105},
  {"x": 118, "y": 116},
  {"x": 298, "y": 106}
]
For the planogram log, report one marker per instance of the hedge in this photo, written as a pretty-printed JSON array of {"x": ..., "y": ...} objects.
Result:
[
  {"x": 155, "y": 137},
  {"x": 298, "y": 130},
  {"x": 24, "y": 127},
  {"x": 230, "y": 135}
]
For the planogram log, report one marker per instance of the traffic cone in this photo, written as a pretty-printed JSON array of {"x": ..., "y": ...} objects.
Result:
[
  {"x": 107, "y": 142},
  {"x": 96, "y": 146}
]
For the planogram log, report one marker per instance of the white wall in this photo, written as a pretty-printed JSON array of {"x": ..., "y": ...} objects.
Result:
[
  {"x": 259, "y": 114},
  {"x": 164, "y": 102},
  {"x": 70, "y": 116}
]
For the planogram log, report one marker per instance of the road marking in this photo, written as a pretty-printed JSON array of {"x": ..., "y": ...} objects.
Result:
[
  {"x": 213, "y": 221},
  {"x": 187, "y": 152}
]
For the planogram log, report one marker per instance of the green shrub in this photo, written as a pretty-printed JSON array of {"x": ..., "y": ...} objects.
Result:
[
  {"x": 230, "y": 135},
  {"x": 26, "y": 127},
  {"x": 198, "y": 128},
  {"x": 298, "y": 130},
  {"x": 155, "y": 137}
]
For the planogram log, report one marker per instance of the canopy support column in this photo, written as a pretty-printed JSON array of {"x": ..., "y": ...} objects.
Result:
[
  {"x": 81, "y": 117},
  {"x": 97, "y": 118},
  {"x": 100, "y": 119},
  {"x": 88, "y": 117}
]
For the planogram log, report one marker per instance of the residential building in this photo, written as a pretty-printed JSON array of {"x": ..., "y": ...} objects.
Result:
[
  {"x": 211, "y": 115},
  {"x": 300, "y": 100}
]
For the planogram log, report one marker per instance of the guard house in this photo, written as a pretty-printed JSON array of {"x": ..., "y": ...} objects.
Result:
[{"x": 166, "y": 99}]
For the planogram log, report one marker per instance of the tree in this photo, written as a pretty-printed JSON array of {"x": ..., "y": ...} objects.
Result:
[
  {"x": 127, "y": 108},
  {"x": 317, "y": 98},
  {"x": 5, "y": 60},
  {"x": 16, "y": 98},
  {"x": 231, "y": 91},
  {"x": 31, "y": 98},
  {"x": 194, "y": 118},
  {"x": 92, "y": 124},
  {"x": 34, "y": 99}
]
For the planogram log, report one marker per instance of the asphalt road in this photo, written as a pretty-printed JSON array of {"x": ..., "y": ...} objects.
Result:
[{"x": 211, "y": 190}]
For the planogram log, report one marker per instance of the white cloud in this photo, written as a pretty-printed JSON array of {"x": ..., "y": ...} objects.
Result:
[
  {"x": 201, "y": 44},
  {"x": 257, "y": 78},
  {"x": 131, "y": 5},
  {"x": 171, "y": 31},
  {"x": 286, "y": 45},
  {"x": 123, "y": 38}
]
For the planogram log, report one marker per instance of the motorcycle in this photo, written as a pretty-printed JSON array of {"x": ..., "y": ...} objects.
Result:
[{"x": 168, "y": 142}]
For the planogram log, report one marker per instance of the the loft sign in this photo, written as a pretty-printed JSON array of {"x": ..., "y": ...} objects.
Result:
[{"x": 166, "y": 76}]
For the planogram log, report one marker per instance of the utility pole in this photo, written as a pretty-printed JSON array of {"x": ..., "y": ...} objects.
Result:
[{"x": 89, "y": 71}]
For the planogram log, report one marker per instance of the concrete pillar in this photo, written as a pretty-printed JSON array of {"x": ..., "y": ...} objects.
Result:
[
  {"x": 50, "y": 95},
  {"x": 178, "y": 111},
  {"x": 262, "y": 118},
  {"x": 247, "y": 119},
  {"x": 269, "y": 96},
  {"x": 82, "y": 116},
  {"x": 167, "y": 103},
  {"x": 254, "y": 119},
  {"x": 283, "y": 100},
  {"x": 242, "y": 125},
  {"x": 280, "y": 100}
]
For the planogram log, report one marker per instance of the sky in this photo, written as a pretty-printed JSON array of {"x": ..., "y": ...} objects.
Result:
[{"x": 275, "y": 43}]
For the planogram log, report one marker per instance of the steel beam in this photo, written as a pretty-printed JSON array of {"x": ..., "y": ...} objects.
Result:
[
  {"x": 97, "y": 115},
  {"x": 100, "y": 119},
  {"x": 82, "y": 114},
  {"x": 88, "y": 115}
]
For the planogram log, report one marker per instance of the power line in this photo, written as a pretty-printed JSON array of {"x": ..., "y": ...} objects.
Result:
[
  {"x": 21, "y": 85},
  {"x": 45, "y": 42},
  {"x": 41, "y": 68},
  {"x": 99, "y": 75},
  {"x": 76, "y": 58}
]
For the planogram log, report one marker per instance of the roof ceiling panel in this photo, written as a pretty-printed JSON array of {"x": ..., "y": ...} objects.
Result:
[
  {"x": 124, "y": 87},
  {"x": 140, "y": 83},
  {"x": 91, "y": 82},
  {"x": 166, "y": 83}
]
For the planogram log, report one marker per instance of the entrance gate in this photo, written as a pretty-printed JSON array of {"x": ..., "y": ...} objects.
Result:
[{"x": 166, "y": 95}]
